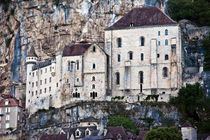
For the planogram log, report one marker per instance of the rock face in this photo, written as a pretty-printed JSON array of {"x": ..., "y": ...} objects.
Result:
[
  {"x": 49, "y": 26},
  {"x": 143, "y": 114}
]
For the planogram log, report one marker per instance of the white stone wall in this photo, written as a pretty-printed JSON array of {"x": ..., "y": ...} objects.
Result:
[
  {"x": 189, "y": 133},
  {"x": 151, "y": 65}
]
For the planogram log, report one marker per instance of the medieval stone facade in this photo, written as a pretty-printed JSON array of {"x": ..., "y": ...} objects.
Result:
[{"x": 142, "y": 56}]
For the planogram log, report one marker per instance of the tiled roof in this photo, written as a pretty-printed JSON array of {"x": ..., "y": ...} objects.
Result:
[
  {"x": 89, "y": 119},
  {"x": 76, "y": 49},
  {"x": 54, "y": 137},
  {"x": 41, "y": 64},
  {"x": 141, "y": 17},
  {"x": 187, "y": 124},
  {"x": 117, "y": 130},
  {"x": 11, "y": 102},
  {"x": 32, "y": 52},
  {"x": 141, "y": 135}
]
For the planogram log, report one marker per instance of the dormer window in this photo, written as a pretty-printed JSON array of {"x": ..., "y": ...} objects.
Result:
[
  {"x": 6, "y": 102},
  {"x": 77, "y": 133},
  {"x": 87, "y": 132}
]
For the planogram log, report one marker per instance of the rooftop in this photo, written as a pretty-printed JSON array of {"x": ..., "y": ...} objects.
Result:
[
  {"x": 32, "y": 52},
  {"x": 75, "y": 49},
  {"x": 142, "y": 17}
]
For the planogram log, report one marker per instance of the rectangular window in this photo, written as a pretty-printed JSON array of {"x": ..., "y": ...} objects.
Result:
[
  {"x": 158, "y": 43},
  {"x": 142, "y": 56},
  {"x": 45, "y": 70},
  {"x": 36, "y": 83},
  {"x": 45, "y": 80},
  {"x": 33, "y": 74},
  {"x": 40, "y": 82},
  {"x": 50, "y": 68},
  {"x": 0, "y": 110},
  {"x": 40, "y": 91},
  {"x": 57, "y": 84},
  {"x": 45, "y": 90},
  {"x": 50, "y": 79},
  {"x": 32, "y": 84},
  {"x": 118, "y": 57},
  {"x": 7, "y": 117},
  {"x": 49, "y": 88},
  {"x": 158, "y": 33},
  {"x": 77, "y": 64},
  {"x": 7, "y": 125},
  {"x": 41, "y": 71}
]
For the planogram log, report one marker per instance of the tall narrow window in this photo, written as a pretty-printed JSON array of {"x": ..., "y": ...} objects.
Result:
[
  {"x": 158, "y": 43},
  {"x": 142, "y": 40},
  {"x": 158, "y": 33},
  {"x": 166, "y": 57},
  {"x": 93, "y": 86},
  {"x": 118, "y": 57},
  {"x": 141, "y": 77},
  {"x": 94, "y": 49},
  {"x": 69, "y": 66},
  {"x": 130, "y": 55},
  {"x": 165, "y": 72},
  {"x": 166, "y": 32},
  {"x": 119, "y": 42},
  {"x": 117, "y": 78},
  {"x": 93, "y": 78},
  {"x": 166, "y": 42},
  {"x": 77, "y": 64},
  {"x": 94, "y": 65},
  {"x": 142, "y": 56}
]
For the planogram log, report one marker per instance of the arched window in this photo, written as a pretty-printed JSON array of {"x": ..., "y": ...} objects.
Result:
[
  {"x": 93, "y": 86},
  {"x": 166, "y": 42},
  {"x": 117, "y": 78},
  {"x": 166, "y": 31},
  {"x": 119, "y": 42},
  {"x": 94, "y": 65},
  {"x": 141, "y": 77},
  {"x": 94, "y": 49},
  {"x": 142, "y": 56},
  {"x": 142, "y": 40},
  {"x": 93, "y": 78},
  {"x": 165, "y": 72},
  {"x": 130, "y": 55},
  {"x": 166, "y": 57}
]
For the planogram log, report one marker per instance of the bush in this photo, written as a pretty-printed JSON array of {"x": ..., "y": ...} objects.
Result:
[
  {"x": 164, "y": 133},
  {"x": 206, "y": 47}
]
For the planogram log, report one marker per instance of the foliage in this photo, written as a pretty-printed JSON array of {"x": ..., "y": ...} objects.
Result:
[
  {"x": 153, "y": 97},
  {"x": 8, "y": 41},
  {"x": 2, "y": 88},
  {"x": 10, "y": 128},
  {"x": 206, "y": 46},
  {"x": 126, "y": 122},
  {"x": 164, "y": 133},
  {"x": 197, "y": 11},
  {"x": 193, "y": 104},
  {"x": 23, "y": 97}
]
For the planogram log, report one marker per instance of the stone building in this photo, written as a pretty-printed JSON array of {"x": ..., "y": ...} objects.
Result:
[
  {"x": 10, "y": 113},
  {"x": 142, "y": 56},
  {"x": 145, "y": 54},
  {"x": 79, "y": 72}
]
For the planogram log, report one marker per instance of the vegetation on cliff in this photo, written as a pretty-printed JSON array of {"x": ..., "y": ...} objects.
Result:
[
  {"x": 193, "y": 104},
  {"x": 164, "y": 133},
  {"x": 206, "y": 46},
  {"x": 197, "y": 11}
]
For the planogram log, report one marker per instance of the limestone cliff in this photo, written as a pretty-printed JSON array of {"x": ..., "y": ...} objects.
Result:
[{"x": 48, "y": 26}]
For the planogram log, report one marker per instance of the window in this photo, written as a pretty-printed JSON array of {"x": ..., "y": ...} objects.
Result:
[
  {"x": 57, "y": 84},
  {"x": 45, "y": 70},
  {"x": 7, "y": 125},
  {"x": 41, "y": 71},
  {"x": 36, "y": 92},
  {"x": 6, "y": 102},
  {"x": 50, "y": 79},
  {"x": 36, "y": 83},
  {"x": 166, "y": 42},
  {"x": 93, "y": 78},
  {"x": 94, "y": 65},
  {"x": 165, "y": 72},
  {"x": 118, "y": 57},
  {"x": 117, "y": 78},
  {"x": 166, "y": 57},
  {"x": 87, "y": 133},
  {"x": 45, "y": 90},
  {"x": 40, "y": 91},
  {"x": 142, "y": 40},
  {"x": 158, "y": 43},
  {"x": 49, "y": 89},
  {"x": 45, "y": 81},
  {"x": 158, "y": 33},
  {"x": 141, "y": 77},
  {"x": 7, "y": 109},
  {"x": 32, "y": 84},
  {"x": 94, "y": 49},
  {"x": 69, "y": 66},
  {"x": 33, "y": 74},
  {"x": 93, "y": 86},
  {"x": 7, "y": 117},
  {"x": 130, "y": 54},
  {"x": 77, "y": 64},
  {"x": 158, "y": 55},
  {"x": 142, "y": 56},
  {"x": 119, "y": 42},
  {"x": 40, "y": 82},
  {"x": 77, "y": 79},
  {"x": 77, "y": 133},
  {"x": 166, "y": 32},
  {"x": 0, "y": 110},
  {"x": 50, "y": 68},
  {"x": 32, "y": 93}
]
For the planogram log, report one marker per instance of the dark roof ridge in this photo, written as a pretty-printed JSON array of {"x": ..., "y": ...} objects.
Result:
[{"x": 32, "y": 52}]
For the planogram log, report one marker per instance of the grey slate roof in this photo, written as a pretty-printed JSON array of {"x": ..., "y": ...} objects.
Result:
[{"x": 32, "y": 52}]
